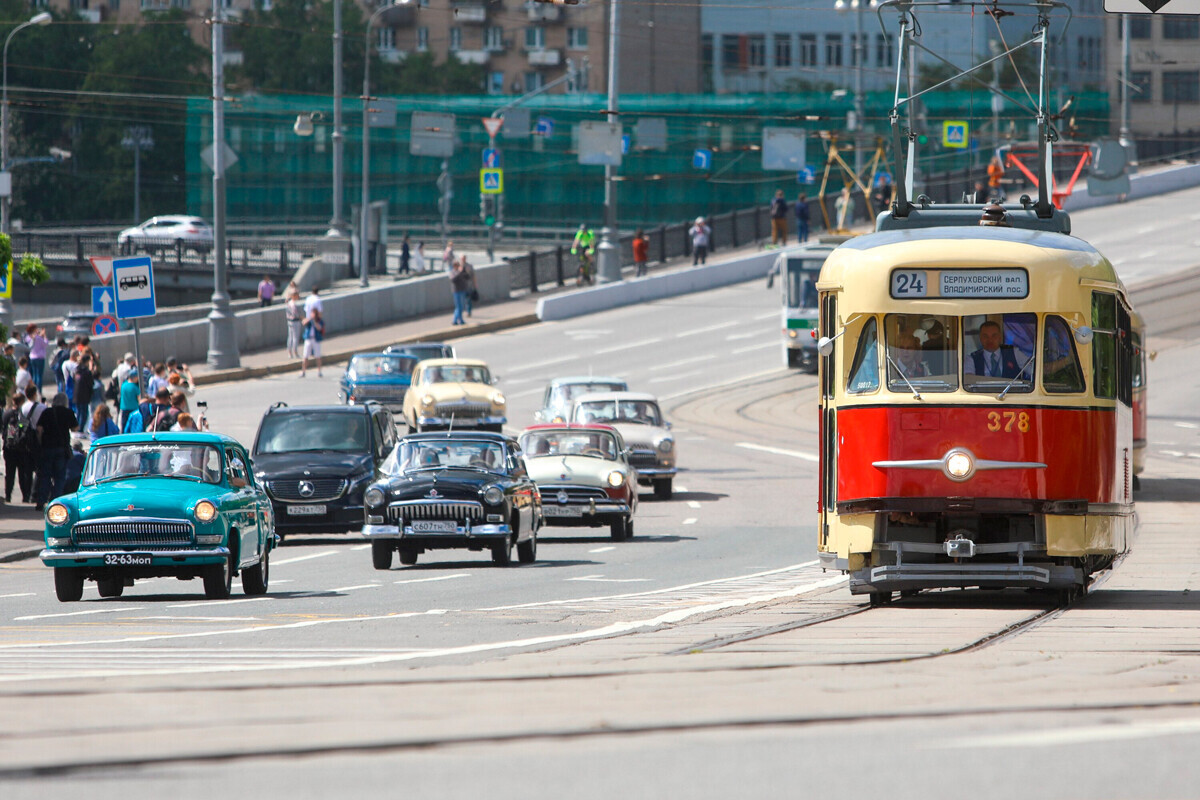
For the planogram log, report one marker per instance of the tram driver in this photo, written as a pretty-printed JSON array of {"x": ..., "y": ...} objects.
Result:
[{"x": 994, "y": 358}]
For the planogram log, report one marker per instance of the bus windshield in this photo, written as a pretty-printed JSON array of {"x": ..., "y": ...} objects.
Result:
[{"x": 801, "y": 283}]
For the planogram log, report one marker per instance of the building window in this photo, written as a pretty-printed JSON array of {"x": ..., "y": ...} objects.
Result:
[
  {"x": 1181, "y": 86},
  {"x": 833, "y": 50},
  {"x": 1180, "y": 27},
  {"x": 387, "y": 39},
  {"x": 806, "y": 56},
  {"x": 783, "y": 50},
  {"x": 885, "y": 49},
  {"x": 455, "y": 40},
  {"x": 756, "y": 50},
  {"x": 495, "y": 83},
  {"x": 533, "y": 81},
  {"x": 577, "y": 38},
  {"x": 422, "y": 40},
  {"x": 731, "y": 52},
  {"x": 535, "y": 38},
  {"x": 1139, "y": 26},
  {"x": 493, "y": 39},
  {"x": 1139, "y": 88}
]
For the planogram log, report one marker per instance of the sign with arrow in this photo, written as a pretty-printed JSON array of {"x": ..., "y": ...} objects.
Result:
[
  {"x": 1153, "y": 6},
  {"x": 103, "y": 300},
  {"x": 102, "y": 266}
]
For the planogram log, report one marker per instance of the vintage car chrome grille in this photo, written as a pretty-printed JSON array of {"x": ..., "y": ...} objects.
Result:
[
  {"x": 643, "y": 458},
  {"x": 323, "y": 489},
  {"x": 149, "y": 532},
  {"x": 437, "y": 509},
  {"x": 575, "y": 494},
  {"x": 370, "y": 390},
  {"x": 464, "y": 409}
]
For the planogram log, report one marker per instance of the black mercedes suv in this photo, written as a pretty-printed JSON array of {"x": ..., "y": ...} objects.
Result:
[{"x": 316, "y": 462}]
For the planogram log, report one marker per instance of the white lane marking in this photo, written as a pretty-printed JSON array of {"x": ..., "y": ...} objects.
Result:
[
  {"x": 602, "y": 579},
  {"x": 676, "y": 377},
  {"x": 681, "y": 489},
  {"x": 359, "y": 586},
  {"x": 19, "y": 594},
  {"x": 733, "y": 337},
  {"x": 732, "y": 382},
  {"x": 1052, "y": 737},
  {"x": 753, "y": 347},
  {"x": 768, "y": 315},
  {"x": 1189, "y": 425},
  {"x": 630, "y": 346},
  {"x": 192, "y": 618},
  {"x": 779, "y": 451},
  {"x": 547, "y": 363},
  {"x": 275, "y": 563},
  {"x": 1175, "y": 453},
  {"x": 361, "y": 546},
  {"x": 693, "y": 360},
  {"x": 436, "y": 578},
  {"x": 111, "y": 610},
  {"x": 693, "y": 504},
  {"x": 209, "y": 603},
  {"x": 690, "y": 521},
  {"x": 602, "y": 549},
  {"x": 733, "y": 323},
  {"x": 525, "y": 393},
  {"x": 1193, "y": 455},
  {"x": 714, "y": 582}
]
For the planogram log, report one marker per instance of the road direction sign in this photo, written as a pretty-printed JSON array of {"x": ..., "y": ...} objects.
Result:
[
  {"x": 954, "y": 133},
  {"x": 6, "y": 273},
  {"x": 208, "y": 153},
  {"x": 134, "y": 282},
  {"x": 1153, "y": 6},
  {"x": 492, "y": 125},
  {"x": 491, "y": 158},
  {"x": 105, "y": 323},
  {"x": 806, "y": 175},
  {"x": 102, "y": 266},
  {"x": 544, "y": 126},
  {"x": 491, "y": 181},
  {"x": 702, "y": 159},
  {"x": 103, "y": 301}
]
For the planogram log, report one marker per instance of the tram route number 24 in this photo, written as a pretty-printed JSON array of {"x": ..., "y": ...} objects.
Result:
[
  {"x": 1007, "y": 420},
  {"x": 909, "y": 284}
]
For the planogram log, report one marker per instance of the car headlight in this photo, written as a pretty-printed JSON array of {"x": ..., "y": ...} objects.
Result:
[
  {"x": 205, "y": 511},
  {"x": 497, "y": 398},
  {"x": 493, "y": 495},
  {"x": 57, "y": 514},
  {"x": 666, "y": 445},
  {"x": 959, "y": 465},
  {"x": 616, "y": 478},
  {"x": 374, "y": 496},
  {"x": 559, "y": 418},
  {"x": 427, "y": 400}
]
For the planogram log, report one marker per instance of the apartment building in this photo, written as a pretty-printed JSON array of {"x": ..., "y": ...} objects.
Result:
[{"x": 1164, "y": 78}]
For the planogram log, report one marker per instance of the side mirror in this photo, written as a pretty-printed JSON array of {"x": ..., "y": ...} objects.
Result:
[
  {"x": 495, "y": 380},
  {"x": 825, "y": 346},
  {"x": 667, "y": 425},
  {"x": 1084, "y": 334}
]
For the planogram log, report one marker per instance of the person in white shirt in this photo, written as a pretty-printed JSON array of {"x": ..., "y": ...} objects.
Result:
[
  {"x": 124, "y": 368},
  {"x": 313, "y": 301},
  {"x": 24, "y": 377},
  {"x": 31, "y": 407},
  {"x": 69, "y": 366},
  {"x": 418, "y": 258}
]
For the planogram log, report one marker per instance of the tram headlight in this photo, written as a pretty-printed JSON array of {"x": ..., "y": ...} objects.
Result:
[
  {"x": 959, "y": 465},
  {"x": 793, "y": 334}
]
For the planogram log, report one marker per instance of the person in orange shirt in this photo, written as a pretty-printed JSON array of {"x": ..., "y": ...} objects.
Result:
[
  {"x": 995, "y": 172},
  {"x": 641, "y": 249}
]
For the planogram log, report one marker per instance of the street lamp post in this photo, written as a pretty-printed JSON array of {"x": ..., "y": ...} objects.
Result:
[
  {"x": 42, "y": 18},
  {"x": 363, "y": 260},
  {"x": 337, "y": 225},
  {"x": 608, "y": 252},
  {"x": 222, "y": 325}
]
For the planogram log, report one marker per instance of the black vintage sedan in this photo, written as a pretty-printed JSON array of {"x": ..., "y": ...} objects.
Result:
[{"x": 453, "y": 489}]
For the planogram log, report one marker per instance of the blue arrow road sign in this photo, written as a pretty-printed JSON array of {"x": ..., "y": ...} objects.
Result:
[
  {"x": 133, "y": 279},
  {"x": 491, "y": 158},
  {"x": 702, "y": 159},
  {"x": 806, "y": 176},
  {"x": 544, "y": 126},
  {"x": 625, "y": 144},
  {"x": 103, "y": 301}
]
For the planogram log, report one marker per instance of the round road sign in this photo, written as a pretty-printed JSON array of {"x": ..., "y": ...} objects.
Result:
[{"x": 105, "y": 323}]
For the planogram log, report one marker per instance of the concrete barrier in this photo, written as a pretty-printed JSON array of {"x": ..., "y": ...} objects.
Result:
[
  {"x": 656, "y": 287},
  {"x": 1145, "y": 184},
  {"x": 262, "y": 328}
]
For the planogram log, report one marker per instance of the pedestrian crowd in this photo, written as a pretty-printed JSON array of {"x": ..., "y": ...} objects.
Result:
[{"x": 44, "y": 436}]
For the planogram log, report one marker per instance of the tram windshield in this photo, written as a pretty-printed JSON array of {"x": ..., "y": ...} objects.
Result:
[
  {"x": 922, "y": 352},
  {"x": 999, "y": 352},
  {"x": 801, "y": 283}
]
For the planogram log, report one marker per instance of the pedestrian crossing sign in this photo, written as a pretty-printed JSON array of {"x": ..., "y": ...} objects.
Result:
[
  {"x": 954, "y": 134},
  {"x": 6, "y": 280},
  {"x": 491, "y": 181}
]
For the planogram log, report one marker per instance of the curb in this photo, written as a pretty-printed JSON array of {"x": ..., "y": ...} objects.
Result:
[
  {"x": 10, "y": 556},
  {"x": 457, "y": 332}
]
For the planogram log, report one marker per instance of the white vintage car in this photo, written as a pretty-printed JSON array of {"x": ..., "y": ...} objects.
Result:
[
  {"x": 638, "y": 418},
  {"x": 583, "y": 475},
  {"x": 454, "y": 393}
]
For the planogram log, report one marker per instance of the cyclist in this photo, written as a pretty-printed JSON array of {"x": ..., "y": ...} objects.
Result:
[{"x": 584, "y": 247}]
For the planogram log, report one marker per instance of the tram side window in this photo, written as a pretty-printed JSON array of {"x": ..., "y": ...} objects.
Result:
[
  {"x": 1104, "y": 344},
  {"x": 922, "y": 352},
  {"x": 1061, "y": 373},
  {"x": 1139, "y": 361},
  {"x": 998, "y": 353},
  {"x": 864, "y": 372}
]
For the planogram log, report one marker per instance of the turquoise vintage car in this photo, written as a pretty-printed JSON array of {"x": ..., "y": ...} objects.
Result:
[{"x": 182, "y": 505}]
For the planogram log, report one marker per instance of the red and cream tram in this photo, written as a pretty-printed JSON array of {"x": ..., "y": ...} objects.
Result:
[{"x": 977, "y": 389}]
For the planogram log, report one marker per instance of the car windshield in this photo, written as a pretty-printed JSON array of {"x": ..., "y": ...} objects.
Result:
[
  {"x": 383, "y": 365},
  {"x": 313, "y": 431},
  {"x": 418, "y": 456},
  {"x": 424, "y": 351},
  {"x": 563, "y": 395},
  {"x": 594, "y": 444},
  {"x": 153, "y": 459},
  {"x": 457, "y": 373},
  {"x": 642, "y": 412}
]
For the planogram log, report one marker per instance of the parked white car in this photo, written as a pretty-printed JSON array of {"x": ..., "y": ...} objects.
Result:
[{"x": 161, "y": 233}]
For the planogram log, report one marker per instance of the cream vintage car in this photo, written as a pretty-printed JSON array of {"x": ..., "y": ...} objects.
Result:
[
  {"x": 583, "y": 475},
  {"x": 637, "y": 416},
  {"x": 454, "y": 393}
]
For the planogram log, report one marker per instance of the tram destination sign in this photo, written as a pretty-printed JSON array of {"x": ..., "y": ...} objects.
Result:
[{"x": 963, "y": 284}]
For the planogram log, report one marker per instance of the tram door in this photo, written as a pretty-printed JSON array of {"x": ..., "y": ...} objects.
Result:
[{"x": 827, "y": 495}]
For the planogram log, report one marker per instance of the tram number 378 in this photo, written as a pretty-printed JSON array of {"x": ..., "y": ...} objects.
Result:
[{"x": 1007, "y": 420}]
